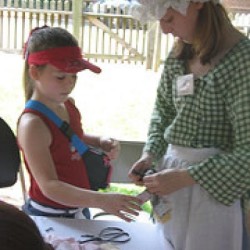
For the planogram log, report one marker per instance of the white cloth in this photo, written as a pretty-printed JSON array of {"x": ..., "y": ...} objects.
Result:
[
  {"x": 152, "y": 10},
  {"x": 59, "y": 243},
  {"x": 198, "y": 221}
]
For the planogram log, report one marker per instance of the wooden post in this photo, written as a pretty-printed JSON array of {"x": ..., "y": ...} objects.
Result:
[
  {"x": 151, "y": 47},
  {"x": 77, "y": 18},
  {"x": 157, "y": 49}
]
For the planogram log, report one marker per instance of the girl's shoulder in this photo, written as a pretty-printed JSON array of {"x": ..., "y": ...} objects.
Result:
[
  {"x": 71, "y": 107},
  {"x": 29, "y": 119},
  {"x": 31, "y": 126},
  {"x": 71, "y": 101}
]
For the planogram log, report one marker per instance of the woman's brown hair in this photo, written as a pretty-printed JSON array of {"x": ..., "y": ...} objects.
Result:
[{"x": 208, "y": 39}]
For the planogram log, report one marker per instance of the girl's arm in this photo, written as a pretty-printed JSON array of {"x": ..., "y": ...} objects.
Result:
[
  {"x": 107, "y": 144},
  {"x": 35, "y": 140}
]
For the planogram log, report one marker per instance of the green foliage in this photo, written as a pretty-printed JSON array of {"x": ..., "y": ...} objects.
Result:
[{"x": 128, "y": 189}]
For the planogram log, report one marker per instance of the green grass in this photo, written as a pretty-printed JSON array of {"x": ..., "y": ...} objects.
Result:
[{"x": 129, "y": 189}]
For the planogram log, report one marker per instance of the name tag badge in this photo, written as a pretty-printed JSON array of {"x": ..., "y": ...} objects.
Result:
[
  {"x": 185, "y": 85},
  {"x": 162, "y": 211}
]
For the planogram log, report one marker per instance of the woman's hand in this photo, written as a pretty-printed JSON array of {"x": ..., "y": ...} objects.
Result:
[
  {"x": 110, "y": 146},
  {"x": 168, "y": 181},
  {"x": 138, "y": 169},
  {"x": 124, "y": 206}
]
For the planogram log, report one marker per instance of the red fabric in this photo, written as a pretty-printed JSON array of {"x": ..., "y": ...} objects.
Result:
[
  {"x": 69, "y": 165},
  {"x": 68, "y": 59}
]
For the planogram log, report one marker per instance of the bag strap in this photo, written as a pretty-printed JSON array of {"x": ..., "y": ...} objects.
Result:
[{"x": 62, "y": 125}]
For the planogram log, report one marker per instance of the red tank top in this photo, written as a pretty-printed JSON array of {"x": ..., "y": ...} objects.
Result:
[{"x": 69, "y": 165}]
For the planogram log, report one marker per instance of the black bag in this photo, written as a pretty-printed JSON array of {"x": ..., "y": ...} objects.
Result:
[
  {"x": 9, "y": 156},
  {"x": 98, "y": 167}
]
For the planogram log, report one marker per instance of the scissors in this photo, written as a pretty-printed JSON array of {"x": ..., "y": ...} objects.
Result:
[
  {"x": 108, "y": 234},
  {"x": 143, "y": 173}
]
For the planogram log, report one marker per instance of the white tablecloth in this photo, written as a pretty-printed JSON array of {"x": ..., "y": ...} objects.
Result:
[{"x": 144, "y": 236}]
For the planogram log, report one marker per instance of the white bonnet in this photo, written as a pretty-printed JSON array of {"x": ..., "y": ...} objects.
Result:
[{"x": 152, "y": 10}]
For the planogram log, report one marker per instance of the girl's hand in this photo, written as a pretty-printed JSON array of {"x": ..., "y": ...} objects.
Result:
[
  {"x": 110, "y": 146},
  {"x": 124, "y": 206},
  {"x": 168, "y": 181},
  {"x": 139, "y": 167}
]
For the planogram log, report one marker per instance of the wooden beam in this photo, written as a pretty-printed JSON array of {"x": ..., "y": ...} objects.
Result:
[
  {"x": 113, "y": 35},
  {"x": 77, "y": 18}
]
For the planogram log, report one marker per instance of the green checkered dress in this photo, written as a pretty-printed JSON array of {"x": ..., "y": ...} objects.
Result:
[{"x": 216, "y": 115}]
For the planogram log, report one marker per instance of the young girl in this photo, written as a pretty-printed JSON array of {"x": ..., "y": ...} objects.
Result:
[
  {"x": 199, "y": 134},
  {"x": 59, "y": 183}
]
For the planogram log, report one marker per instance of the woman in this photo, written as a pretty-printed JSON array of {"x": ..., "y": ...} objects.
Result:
[{"x": 199, "y": 130}]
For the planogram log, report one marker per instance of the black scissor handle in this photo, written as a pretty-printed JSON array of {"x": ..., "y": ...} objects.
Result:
[
  {"x": 114, "y": 234},
  {"x": 108, "y": 234}
]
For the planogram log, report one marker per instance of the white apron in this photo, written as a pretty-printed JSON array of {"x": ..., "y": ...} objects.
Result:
[{"x": 196, "y": 221}]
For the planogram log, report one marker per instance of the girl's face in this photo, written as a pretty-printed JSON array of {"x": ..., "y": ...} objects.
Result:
[
  {"x": 181, "y": 26},
  {"x": 52, "y": 84}
]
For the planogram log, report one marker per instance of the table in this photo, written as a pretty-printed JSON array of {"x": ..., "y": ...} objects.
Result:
[{"x": 144, "y": 236}]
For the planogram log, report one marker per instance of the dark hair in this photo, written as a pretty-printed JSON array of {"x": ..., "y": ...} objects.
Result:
[
  {"x": 208, "y": 38},
  {"x": 18, "y": 231},
  {"x": 41, "y": 39}
]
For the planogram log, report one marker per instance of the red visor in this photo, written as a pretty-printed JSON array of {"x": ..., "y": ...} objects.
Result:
[{"x": 68, "y": 59}]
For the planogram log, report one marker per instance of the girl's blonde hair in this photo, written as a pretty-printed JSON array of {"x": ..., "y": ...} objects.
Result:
[
  {"x": 208, "y": 38},
  {"x": 41, "y": 39}
]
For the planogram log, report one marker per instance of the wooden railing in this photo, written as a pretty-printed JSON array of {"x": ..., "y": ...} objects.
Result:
[{"x": 105, "y": 34}]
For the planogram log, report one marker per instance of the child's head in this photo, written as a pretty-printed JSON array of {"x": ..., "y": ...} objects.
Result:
[
  {"x": 18, "y": 231},
  {"x": 55, "y": 46}
]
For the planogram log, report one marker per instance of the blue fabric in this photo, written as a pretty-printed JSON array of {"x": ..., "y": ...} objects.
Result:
[{"x": 40, "y": 107}]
